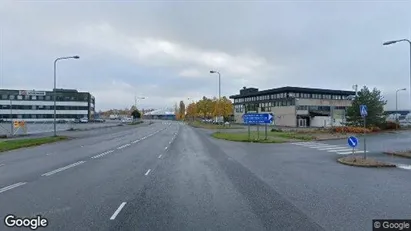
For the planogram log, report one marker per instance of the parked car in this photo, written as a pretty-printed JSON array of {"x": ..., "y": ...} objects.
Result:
[{"x": 84, "y": 120}]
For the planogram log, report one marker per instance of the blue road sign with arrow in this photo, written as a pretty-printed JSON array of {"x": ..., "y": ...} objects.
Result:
[
  {"x": 363, "y": 110},
  {"x": 258, "y": 118},
  {"x": 352, "y": 141}
]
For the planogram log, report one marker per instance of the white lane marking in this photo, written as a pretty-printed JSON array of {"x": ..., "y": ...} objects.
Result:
[
  {"x": 102, "y": 154},
  {"x": 340, "y": 150},
  {"x": 148, "y": 171},
  {"x": 82, "y": 145},
  {"x": 12, "y": 186},
  {"x": 124, "y": 146},
  {"x": 118, "y": 211},
  {"x": 170, "y": 142},
  {"x": 2, "y": 165},
  {"x": 165, "y": 148},
  {"x": 63, "y": 168},
  {"x": 404, "y": 166},
  {"x": 329, "y": 148},
  {"x": 160, "y": 156}
]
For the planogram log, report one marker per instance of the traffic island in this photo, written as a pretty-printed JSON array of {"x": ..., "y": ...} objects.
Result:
[
  {"x": 8, "y": 145},
  {"x": 361, "y": 162},
  {"x": 406, "y": 154},
  {"x": 255, "y": 137}
]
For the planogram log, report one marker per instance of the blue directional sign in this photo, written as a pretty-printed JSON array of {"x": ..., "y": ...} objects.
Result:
[
  {"x": 257, "y": 118},
  {"x": 352, "y": 141},
  {"x": 363, "y": 110}
]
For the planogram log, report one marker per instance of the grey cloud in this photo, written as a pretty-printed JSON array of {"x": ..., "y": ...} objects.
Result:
[{"x": 318, "y": 44}]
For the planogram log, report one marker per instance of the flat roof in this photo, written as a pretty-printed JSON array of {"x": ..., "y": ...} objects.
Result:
[{"x": 295, "y": 90}]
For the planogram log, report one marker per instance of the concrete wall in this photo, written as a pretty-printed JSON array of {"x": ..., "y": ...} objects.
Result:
[{"x": 284, "y": 116}]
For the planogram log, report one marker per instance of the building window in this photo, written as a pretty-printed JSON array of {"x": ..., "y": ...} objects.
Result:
[
  {"x": 33, "y": 116},
  {"x": 41, "y": 98},
  {"x": 33, "y": 97},
  {"x": 19, "y": 97},
  {"x": 34, "y": 107},
  {"x": 4, "y": 97}
]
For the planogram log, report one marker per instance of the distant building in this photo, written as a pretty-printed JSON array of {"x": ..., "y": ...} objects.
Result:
[
  {"x": 39, "y": 105},
  {"x": 161, "y": 114},
  {"x": 295, "y": 106}
]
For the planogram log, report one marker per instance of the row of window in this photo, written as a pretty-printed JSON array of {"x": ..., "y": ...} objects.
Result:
[
  {"x": 41, "y": 107},
  {"x": 319, "y": 108},
  {"x": 266, "y": 107},
  {"x": 38, "y": 116},
  {"x": 46, "y": 98},
  {"x": 289, "y": 95}
]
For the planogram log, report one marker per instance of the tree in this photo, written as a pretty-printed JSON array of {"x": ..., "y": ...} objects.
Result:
[
  {"x": 177, "y": 111},
  {"x": 182, "y": 109},
  {"x": 136, "y": 114},
  {"x": 191, "y": 111},
  {"x": 375, "y": 107},
  {"x": 133, "y": 108}
]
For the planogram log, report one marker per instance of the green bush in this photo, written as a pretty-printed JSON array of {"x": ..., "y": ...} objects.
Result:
[
  {"x": 389, "y": 125},
  {"x": 276, "y": 130}
]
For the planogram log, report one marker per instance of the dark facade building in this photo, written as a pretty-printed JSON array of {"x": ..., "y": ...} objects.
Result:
[
  {"x": 295, "y": 106},
  {"x": 39, "y": 105}
]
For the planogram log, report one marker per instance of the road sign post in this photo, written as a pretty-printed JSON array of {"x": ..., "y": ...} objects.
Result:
[
  {"x": 352, "y": 142},
  {"x": 249, "y": 132},
  {"x": 364, "y": 114},
  {"x": 257, "y": 119}
]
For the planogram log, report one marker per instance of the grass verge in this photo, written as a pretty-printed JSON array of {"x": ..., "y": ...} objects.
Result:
[
  {"x": 406, "y": 154},
  {"x": 361, "y": 162},
  {"x": 243, "y": 137},
  {"x": 197, "y": 124},
  {"x": 8, "y": 145},
  {"x": 135, "y": 123},
  {"x": 272, "y": 137}
]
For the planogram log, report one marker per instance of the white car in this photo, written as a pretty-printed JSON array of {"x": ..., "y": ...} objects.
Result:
[{"x": 84, "y": 120}]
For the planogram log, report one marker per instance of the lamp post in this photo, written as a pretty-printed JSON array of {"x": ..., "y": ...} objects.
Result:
[
  {"x": 219, "y": 90},
  {"x": 409, "y": 42},
  {"x": 396, "y": 103},
  {"x": 54, "y": 89}
]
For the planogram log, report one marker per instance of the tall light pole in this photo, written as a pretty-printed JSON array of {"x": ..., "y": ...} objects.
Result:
[
  {"x": 135, "y": 100},
  {"x": 219, "y": 90},
  {"x": 396, "y": 102},
  {"x": 409, "y": 42},
  {"x": 54, "y": 89}
]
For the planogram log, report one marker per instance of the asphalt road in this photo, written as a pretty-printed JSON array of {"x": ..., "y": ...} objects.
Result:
[{"x": 169, "y": 176}]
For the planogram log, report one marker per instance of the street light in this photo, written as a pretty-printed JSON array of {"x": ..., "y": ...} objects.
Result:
[
  {"x": 219, "y": 83},
  {"x": 54, "y": 89},
  {"x": 409, "y": 42},
  {"x": 396, "y": 102}
]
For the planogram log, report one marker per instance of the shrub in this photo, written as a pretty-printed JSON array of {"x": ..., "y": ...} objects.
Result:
[
  {"x": 351, "y": 129},
  {"x": 375, "y": 129},
  {"x": 389, "y": 125},
  {"x": 276, "y": 130}
]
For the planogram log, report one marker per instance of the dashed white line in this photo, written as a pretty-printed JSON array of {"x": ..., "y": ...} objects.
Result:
[
  {"x": 1, "y": 165},
  {"x": 63, "y": 168},
  {"x": 159, "y": 157},
  {"x": 124, "y": 146},
  {"x": 165, "y": 148},
  {"x": 148, "y": 171},
  {"x": 102, "y": 154},
  {"x": 170, "y": 142},
  {"x": 118, "y": 211},
  {"x": 7, "y": 188}
]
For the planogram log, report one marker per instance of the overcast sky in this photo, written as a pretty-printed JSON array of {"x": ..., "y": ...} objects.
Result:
[{"x": 164, "y": 50}]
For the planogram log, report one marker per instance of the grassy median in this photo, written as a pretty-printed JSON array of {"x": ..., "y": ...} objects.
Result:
[
  {"x": 29, "y": 142},
  {"x": 272, "y": 137},
  {"x": 198, "y": 124},
  {"x": 361, "y": 162}
]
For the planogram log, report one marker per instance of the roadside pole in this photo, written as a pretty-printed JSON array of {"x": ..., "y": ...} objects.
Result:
[
  {"x": 364, "y": 113},
  {"x": 266, "y": 131},
  {"x": 365, "y": 143},
  {"x": 11, "y": 118},
  {"x": 249, "y": 133},
  {"x": 258, "y": 131}
]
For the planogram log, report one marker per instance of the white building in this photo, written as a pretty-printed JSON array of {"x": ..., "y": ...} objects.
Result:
[{"x": 32, "y": 105}]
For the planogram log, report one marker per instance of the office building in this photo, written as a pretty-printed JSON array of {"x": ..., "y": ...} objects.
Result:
[
  {"x": 36, "y": 105},
  {"x": 295, "y": 106}
]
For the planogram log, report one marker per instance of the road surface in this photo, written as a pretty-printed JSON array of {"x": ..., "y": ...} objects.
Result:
[{"x": 169, "y": 176}]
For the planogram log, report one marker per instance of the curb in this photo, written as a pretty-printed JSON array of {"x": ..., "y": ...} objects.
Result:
[
  {"x": 397, "y": 154},
  {"x": 386, "y": 165}
]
